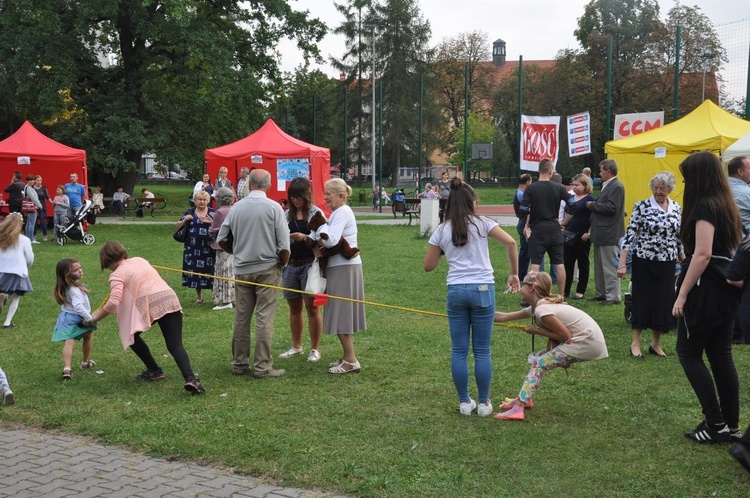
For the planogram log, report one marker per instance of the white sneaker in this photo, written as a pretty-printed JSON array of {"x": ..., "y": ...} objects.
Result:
[
  {"x": 484, "y": 409},
  {"x": 224, "y": 307},
  {"x": 314, "y": 355},
  {"x": 291, "y": 352},
  {"x": 34, "y": 241},
  {"x": 8, "y": 398},
  {"x": 467, "y": 408}
]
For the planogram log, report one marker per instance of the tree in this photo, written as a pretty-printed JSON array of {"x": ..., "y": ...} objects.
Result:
[
  {"x": 354, "y": 63},
  {"x": 631, "y": 25},
  {"x": 404, "y": 53},
  {"x": 171, "y": 77},
  {"x": 310, "y": 108},
  {"x": 698, "y": 38}
]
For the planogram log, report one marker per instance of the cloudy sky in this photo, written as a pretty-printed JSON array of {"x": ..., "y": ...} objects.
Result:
[{"x": 535, "y": 29}]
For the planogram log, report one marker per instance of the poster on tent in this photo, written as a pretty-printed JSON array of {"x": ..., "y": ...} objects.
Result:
[
  {"x": 634, "y": 123},
  {"x": 289, "y": 169},
  {"x": 579, "y": 134},
  {"x": 539, "y": 139}
]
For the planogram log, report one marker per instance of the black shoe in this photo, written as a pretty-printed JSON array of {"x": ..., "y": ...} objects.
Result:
[
  {"x": 151, "y": 375},
  {"x": 193, "y": 386},
  {"x": 704, "y": 434},
  {"x": 609, "y": 303},
  {"x": 736, "y": 434},
  {"x": 597, "y": 298},
  {"x": 636, "y": 356},
  {"x": 652, "y": 351},
  {"x": 740, "y": 453}
]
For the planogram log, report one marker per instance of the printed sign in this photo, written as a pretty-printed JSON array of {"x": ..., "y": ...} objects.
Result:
[
  {"x": 627, "y": 125},
  {"x": 256, "y": 159},
  {"x": 289, "y": 169},
  {"x": 579, "y": 134},
  {"x": 539, "y": 140}
]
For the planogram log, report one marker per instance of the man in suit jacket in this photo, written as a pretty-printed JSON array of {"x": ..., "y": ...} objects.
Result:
[{"x": 607, "y": 227}]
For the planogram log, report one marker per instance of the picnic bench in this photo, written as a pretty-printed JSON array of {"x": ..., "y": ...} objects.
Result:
[
  {"x": 408, "y": 207},
  {"x": 142, "y": 203}
]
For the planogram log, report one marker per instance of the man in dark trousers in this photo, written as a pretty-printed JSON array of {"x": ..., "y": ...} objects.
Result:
[
  {"x": 542, "y": 229},
  {"x": 15, "y": 193},
  {"x": 522, "y": 213}
]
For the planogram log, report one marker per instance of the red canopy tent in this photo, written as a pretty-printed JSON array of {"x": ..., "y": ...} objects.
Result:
[
  {"x": 282, "y": 155},
  {"x": 29, "y": 151}
]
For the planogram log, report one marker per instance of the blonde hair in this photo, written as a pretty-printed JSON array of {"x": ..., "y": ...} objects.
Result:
[
  {"x": 202, "y": 193},
  {"x": 541, "y": 285},
  {"x": 339, "y": 186},
  {"x": 223, "y": 170},
  {"x": 10, "y": 230},
  {"x": 583, "y": 180}
]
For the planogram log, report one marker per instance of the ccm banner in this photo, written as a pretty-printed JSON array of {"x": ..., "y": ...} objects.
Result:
[
  {"x": 632, "y": 124},
  {"x": 539, "y": 140},
  {"x": 579, "y": 134}
]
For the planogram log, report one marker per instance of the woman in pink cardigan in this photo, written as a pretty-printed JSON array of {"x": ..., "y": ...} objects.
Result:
[{"x": 139, "y": 297}]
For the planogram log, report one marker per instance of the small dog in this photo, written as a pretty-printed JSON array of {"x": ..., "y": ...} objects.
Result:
[{"x": 343, "y": 247}]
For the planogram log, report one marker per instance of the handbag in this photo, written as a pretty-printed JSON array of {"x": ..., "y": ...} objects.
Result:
[
  {"x": 316, "y": 283},
  {"x": 181, "y": 234},
  {"x": 569, "y": 238}
]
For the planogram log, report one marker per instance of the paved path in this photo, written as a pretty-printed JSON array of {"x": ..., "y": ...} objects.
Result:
[{"x": 47, "y": 465}]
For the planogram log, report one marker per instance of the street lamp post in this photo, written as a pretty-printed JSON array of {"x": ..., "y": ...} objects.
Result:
[
  {"x": 374, "y": 24},
  {"x": 707, "y": 56}
]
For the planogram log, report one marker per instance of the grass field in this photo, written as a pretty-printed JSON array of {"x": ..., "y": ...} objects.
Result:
[{"x": 612, "y": 428}]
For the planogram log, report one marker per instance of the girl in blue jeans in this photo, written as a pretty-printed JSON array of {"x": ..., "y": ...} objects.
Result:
[{"x": 471, "y": 289}]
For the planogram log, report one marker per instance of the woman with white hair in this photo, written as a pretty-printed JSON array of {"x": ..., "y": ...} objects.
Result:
[{"x": 653, "y": 236}]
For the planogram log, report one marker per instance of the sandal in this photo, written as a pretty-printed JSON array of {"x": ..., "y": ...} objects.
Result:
[
  {"x": 67, "y": 374},
  {"x": 345, "y": 367},
  {"x": 198, "y": 301},
  {"x": 335, "y": 363},
  {"x": 87, "y": 364}
]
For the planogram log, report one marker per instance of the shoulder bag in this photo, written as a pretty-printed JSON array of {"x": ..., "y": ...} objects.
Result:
[{"x": 181, "y": 234}]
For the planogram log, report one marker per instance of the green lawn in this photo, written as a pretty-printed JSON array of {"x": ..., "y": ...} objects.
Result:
[{"x": 612, "y": 428}]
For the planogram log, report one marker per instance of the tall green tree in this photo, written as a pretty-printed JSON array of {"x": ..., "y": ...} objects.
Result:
[
  {"x": 355, "y": 63},
  {"x": 404, "y": 54},
  {"x": 171, "y": 77},
  {"x": 453, "y": 56},
  {"x": 630, "y": 24}
]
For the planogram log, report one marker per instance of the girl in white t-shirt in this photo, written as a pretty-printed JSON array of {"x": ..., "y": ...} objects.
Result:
[
  {"x": 471, "y": 289},
  {"x": 573, "y": 336}
]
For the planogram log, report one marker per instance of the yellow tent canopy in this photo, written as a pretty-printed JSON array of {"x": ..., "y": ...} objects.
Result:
[{"x": 708, "y": 127}]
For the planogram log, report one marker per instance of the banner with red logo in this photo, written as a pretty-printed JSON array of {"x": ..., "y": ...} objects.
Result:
[
  {"x": 627, "y": 125},
  {"x": 539, "y": 140},
  {"x": 579, "y": 134}
]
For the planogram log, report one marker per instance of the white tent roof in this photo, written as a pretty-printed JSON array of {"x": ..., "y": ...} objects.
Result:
[{"x": 740, "y": 148}]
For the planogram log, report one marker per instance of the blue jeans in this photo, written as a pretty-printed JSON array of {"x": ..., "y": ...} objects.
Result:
[
  {"x": 471, "y": 311},
  {"x": 30, "y": 225}
]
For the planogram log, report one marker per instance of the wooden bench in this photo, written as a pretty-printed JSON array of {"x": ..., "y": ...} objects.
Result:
[
  {"x": 152, "y": 203},
  {"x": 408, "y": 207}
]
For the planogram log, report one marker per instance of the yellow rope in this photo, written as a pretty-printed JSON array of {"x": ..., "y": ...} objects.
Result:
[{"x": 312, "y": 294}]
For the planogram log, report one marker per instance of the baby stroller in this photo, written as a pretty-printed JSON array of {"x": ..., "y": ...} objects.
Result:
[{"x": 77, "y": 226}]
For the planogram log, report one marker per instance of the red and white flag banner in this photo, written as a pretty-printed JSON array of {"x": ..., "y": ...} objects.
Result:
[{"x": 540, "y": 138}]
